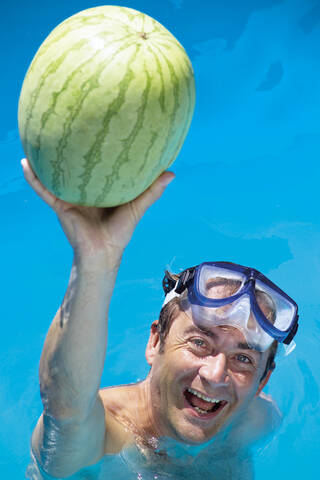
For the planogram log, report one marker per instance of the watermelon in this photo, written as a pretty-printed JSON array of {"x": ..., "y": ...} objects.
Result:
[{"x": 105, "y": 105}]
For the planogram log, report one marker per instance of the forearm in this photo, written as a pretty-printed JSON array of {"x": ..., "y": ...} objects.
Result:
[
  {"x": 73, "y": 356},
  {"x": 74, "y": 352}
]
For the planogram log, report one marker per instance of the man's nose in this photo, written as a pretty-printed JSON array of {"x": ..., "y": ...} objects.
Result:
[{"x": 214, "y": 370}]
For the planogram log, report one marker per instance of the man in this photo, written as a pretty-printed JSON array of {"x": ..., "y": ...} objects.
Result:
[{"x": 211, "y": 353}]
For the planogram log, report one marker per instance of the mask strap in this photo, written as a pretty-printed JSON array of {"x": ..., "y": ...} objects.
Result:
[
  {"x": 174, "y": 288},
  {"x": 172, "y": 294},
  {"x": 289, "y": 348}
]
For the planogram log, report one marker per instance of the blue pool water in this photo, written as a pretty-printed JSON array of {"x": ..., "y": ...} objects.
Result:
[{"x": 246, "y": 190}]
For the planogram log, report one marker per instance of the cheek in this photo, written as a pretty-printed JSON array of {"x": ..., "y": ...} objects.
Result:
[
  {"x": 184, "y": 363},
  {"x": 180, "y": 368},
  {"x": 246, "y": 383},
  {"x": 168, "y": 367}
]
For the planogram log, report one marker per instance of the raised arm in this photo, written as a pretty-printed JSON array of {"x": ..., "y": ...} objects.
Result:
[{"x": 71, "y": 432}]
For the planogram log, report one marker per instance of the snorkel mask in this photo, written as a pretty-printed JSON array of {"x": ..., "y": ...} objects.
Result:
[{"x": 227, "y": 294}]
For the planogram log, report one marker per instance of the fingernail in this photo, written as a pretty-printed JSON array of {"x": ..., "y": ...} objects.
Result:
[{"x": 165, "y": 180}]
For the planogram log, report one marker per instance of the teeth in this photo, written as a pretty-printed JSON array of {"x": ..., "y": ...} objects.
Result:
[
  {"x": 204, "y": 397},
  {"x": 199, "y": 410}
]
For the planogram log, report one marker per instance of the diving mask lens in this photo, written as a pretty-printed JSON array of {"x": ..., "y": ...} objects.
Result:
[
  {"x": 217, "y": 282},
  {"x": 237, "y": 313},
  {"x": 278, "y": 310}
]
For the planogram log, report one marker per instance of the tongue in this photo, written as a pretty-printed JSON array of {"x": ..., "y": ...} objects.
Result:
[{"x": 198, "y": 402}]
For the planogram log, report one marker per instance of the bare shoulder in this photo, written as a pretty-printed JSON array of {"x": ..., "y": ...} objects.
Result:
[
  {"x": 260, "y": 420},
  {"x": 117, "y": 422},
  {"x": 266, "y": 414}
]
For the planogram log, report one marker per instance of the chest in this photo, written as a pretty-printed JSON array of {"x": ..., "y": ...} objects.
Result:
[{"x": 206, "y": 466}]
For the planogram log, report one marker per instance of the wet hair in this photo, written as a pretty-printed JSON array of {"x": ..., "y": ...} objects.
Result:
[
  {"x": 167, "y": 315},
  {"x": 172, "y": 309}
]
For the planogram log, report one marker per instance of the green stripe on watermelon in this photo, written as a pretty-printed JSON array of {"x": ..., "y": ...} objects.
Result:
[
  {"x": 51, "y": 69},
  {"x": 123, "y": 156},
  {"x": 93, "y": 156},
  {"x": 172, "y": 118},
  {"x": 58, "y": 177},
  {"x": 162, "y": 93}
]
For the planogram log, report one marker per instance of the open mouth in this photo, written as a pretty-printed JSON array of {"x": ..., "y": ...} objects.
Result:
[{"x": 203, "y": 404}]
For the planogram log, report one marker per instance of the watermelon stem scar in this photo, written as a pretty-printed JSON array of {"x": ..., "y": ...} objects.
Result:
[{"x": 143, "y": 35}]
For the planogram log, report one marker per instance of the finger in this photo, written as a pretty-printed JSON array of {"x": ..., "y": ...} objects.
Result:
[
  {"x": 37, "y": 186},
  {"x": 153, "y": 193}
]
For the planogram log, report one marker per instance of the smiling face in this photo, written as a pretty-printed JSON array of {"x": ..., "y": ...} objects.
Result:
[{"x": 201, "y": 380}]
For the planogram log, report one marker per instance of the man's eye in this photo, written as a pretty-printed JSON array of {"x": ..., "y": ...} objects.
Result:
[
  {"x": 199, "y": 343},
  {"x": 243, "y": 358}
]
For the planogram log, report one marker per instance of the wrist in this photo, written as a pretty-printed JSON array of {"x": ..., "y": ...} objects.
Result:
[{"x": 103, "y": 261}]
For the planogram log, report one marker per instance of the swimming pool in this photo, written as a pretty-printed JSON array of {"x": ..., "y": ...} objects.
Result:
[{"x": 246, "y": 190}]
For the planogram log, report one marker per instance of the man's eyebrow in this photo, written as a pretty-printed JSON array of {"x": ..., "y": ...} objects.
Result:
[
  {"x": 209, "y": 333},
  {"x": 204, "y": 330},
  {"x": 245, "y": 346}
]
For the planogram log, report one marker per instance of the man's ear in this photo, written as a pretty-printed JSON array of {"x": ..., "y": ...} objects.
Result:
[
  {"x": 264, "y": 382},
  {"x": 153, "y": 344}
]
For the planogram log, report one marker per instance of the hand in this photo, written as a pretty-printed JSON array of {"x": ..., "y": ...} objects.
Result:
[{"x": 93, "y": 231}]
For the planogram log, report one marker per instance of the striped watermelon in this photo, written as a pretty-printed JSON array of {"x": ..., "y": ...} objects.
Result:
[{"x": 105, "y": 105}]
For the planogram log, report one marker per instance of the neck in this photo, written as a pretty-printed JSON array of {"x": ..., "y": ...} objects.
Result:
[{"x": 146, "y": 413}]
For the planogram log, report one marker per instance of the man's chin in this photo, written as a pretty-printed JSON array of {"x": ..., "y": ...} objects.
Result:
[{"x": 192, "y": 432}]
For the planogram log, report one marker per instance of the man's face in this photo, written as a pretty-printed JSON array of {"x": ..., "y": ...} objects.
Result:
[{"x": 202, "y": 380}]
